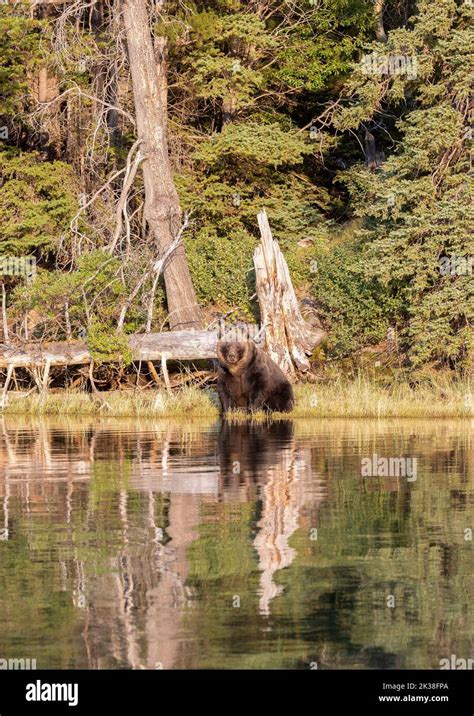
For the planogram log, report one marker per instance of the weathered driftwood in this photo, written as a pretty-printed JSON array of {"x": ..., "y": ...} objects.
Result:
[
  {"x": 174, "y": 345},
  {"x": 289, "y": 338}
]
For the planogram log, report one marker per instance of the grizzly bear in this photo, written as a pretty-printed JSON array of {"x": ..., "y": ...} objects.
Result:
[{"x": 249, "y": 379}]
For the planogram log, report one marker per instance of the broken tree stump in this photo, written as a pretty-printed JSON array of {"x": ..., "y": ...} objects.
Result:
[{"x": 290, "y": 340}]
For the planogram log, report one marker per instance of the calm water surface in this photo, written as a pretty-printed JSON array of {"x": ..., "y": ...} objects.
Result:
[{"x": 148, "y": 544}]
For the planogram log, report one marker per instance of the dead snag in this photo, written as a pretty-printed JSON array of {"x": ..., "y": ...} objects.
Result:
[{"x": 289, "y": 339}]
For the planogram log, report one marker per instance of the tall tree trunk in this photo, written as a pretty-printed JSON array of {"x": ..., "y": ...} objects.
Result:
[
  {"x": 162, "y": 210},
  {"x": 380, "y": 33}
]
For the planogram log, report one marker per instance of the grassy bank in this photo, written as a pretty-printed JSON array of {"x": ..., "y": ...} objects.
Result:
[
  {"x": 357, "y": 398},
  {"x": 187, "y": 402},
  {"x": 361, "y": 397}
]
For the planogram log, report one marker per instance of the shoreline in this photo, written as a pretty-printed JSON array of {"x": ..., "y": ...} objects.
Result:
[{"x": 358, "y": 399}]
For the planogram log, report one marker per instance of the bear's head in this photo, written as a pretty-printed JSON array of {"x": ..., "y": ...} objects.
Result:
[{"x": 235, "y": 355}]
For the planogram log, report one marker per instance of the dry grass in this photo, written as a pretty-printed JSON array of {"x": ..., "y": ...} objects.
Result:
[
  {"x": 187, "y": 402},
  {"x": 341, "y": 398},
  {"x": 362, "y": 398}
]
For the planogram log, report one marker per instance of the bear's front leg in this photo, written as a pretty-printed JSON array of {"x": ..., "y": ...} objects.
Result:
[
  {"x": 224, "y": 398},
  {"x": 257, "y": 401}
]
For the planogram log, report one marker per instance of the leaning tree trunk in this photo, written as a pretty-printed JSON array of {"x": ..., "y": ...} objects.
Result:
[
  {"x": 289, "y": 339},
  {"x": 162, "y": 210}
]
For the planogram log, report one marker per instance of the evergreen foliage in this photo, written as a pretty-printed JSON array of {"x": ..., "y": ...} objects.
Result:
[{"x": 270, "y": 105}]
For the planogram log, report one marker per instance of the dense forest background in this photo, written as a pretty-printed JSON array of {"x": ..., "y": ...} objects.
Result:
[{"x": 348, "y": 120}]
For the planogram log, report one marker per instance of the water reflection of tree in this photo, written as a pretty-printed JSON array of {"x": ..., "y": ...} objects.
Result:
[{"x": 124, "y": 559}]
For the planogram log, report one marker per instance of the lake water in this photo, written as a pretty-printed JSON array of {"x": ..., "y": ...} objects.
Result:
[{"x": 145, "y": 544}]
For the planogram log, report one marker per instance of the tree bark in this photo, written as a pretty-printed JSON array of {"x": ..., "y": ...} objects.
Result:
[
  {"x": 5, "y": 333},
  {"x": 43, "y": 85},
  {"x": 289, "y": 339},
  {"x": 380, "y": 33},
  {"x": 162, "y": 211}
]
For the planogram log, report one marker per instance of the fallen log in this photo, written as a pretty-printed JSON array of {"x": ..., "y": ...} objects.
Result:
[{"x": 172, "y": 345}]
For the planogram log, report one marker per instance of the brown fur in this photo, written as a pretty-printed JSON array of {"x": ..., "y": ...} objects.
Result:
[{"x": 248, "y": 378}]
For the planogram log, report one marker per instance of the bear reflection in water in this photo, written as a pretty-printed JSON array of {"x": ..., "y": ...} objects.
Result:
[
  {"x": 248, "y": 449},
  {"x": 263, "y": 461}
]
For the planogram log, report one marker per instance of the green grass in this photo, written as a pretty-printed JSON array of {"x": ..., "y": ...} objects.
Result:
[{"x": 360, "y": 397}]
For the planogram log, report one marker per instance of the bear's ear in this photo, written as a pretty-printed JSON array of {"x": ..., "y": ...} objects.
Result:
[
  {"x": 221, "y": 351},
  {"x": 250, "y": 352}
]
